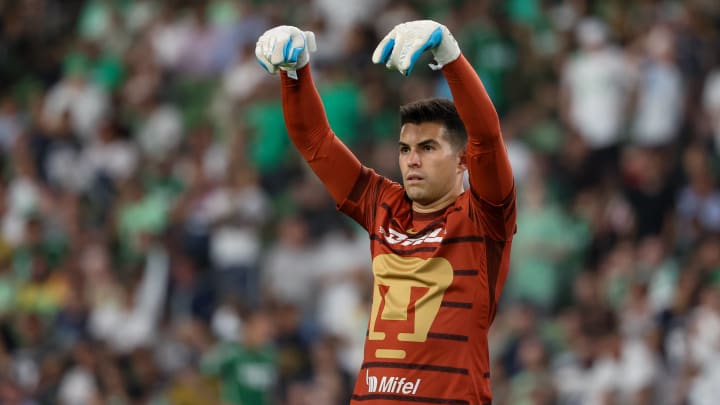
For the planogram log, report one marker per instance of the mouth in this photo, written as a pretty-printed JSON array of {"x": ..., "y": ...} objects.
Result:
[{"x": 413, "y": 178}]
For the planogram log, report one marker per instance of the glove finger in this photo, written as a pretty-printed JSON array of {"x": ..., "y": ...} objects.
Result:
[
  {"x": 279, "y": 43},
  {"x": 384, "y": 49},
  {"x": 294, "y": 47},
  {"x": 407, "y": 63},
  {"x": 266, "y": 44},
  {"x": 260, "y": 56},
  {"x": 398, "y": 52},
  {"x": 416, "y": 49},
  {"x": 310, "y": 41},
  {"x": 266, "y": 65}
]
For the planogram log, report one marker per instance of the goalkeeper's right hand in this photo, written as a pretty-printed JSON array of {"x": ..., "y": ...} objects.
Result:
[
  {"x": 285, "y": 47},
  {"x": 401, "y": 48}
]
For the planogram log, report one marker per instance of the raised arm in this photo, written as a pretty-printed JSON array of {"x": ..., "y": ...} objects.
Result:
[
  {"x": 490, "y": 172},
  {"x": 491, "y": 176},
  {"x": 286, "y": 49}
]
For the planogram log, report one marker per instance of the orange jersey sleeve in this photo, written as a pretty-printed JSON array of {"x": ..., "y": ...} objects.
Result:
[
  {"x": 309, "y": 130},
  {"x": 490, "y": 172},
  {"x": 491, "y": 179}
]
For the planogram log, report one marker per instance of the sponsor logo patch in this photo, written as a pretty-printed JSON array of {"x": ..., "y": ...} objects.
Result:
[{"x": 391, "y": 384}]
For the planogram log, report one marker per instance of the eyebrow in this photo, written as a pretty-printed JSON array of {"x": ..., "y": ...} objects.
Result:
[{"x": 421, "y": 143}]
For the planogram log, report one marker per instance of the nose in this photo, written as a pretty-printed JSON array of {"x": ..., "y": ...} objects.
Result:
[{"x": 413, "y": 159}]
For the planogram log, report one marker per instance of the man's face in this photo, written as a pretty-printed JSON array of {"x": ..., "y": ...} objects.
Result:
[{"x": 431, "y": 168}]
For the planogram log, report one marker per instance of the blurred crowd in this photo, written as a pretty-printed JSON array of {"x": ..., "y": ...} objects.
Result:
[{"x": 162, "y": 243}]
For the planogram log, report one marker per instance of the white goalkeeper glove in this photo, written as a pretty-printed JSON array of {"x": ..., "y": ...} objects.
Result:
[
  {"x": 402, "y": 46},
  {"x": 285, "y": 47}
]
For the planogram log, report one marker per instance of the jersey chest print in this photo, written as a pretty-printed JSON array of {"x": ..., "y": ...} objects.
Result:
[{"x": 407, "y": 295}]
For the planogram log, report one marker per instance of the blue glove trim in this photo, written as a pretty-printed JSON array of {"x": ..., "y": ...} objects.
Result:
[
  {"x": 387, "y": 50},
  {"x": 286, "y": 50},
  {"x": 263, "y": 65},
  {"x": 294, "y": 55},
  {"x": 433, "y": 40}
]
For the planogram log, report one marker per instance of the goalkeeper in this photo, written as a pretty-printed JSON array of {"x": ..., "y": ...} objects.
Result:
[{"x": 440, "y": 253}]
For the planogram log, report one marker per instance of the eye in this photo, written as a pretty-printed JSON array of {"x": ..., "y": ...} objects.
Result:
[
  {"x": 428, "y": 148},
  {"x": 404, "y": 149}
]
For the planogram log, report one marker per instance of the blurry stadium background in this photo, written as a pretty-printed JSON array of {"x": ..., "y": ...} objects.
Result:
[{"x": 161, "y": 242}]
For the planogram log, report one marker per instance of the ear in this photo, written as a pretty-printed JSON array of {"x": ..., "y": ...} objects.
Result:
[{"x": 462, "y": 161}]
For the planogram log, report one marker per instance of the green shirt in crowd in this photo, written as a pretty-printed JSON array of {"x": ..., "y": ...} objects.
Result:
[{"x": 247, "y": 376}]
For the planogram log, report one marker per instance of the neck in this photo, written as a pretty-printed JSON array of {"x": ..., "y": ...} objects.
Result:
[{"x": 439, "y": 204}]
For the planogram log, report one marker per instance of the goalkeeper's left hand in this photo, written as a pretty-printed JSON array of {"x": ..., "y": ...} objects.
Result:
[
  {"x": 401, "y": 48},
  {"x": 285, "y": 47}
]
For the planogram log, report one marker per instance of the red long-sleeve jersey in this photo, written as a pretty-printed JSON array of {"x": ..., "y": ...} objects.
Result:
[{"x": 437, "y": 276}]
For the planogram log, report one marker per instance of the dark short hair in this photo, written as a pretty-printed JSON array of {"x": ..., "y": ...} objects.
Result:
[{"x": 440, "y": 110}]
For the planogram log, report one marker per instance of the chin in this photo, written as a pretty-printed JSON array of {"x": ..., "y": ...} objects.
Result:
[{"x": 417, "y": 197}]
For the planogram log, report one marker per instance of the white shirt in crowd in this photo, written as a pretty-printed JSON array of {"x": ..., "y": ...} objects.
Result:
[
  {"x": 597, "y": 81},
  {"x": 124, "y": 327},
  {"x": 86, "y": 103},
  {"x": 711, "y": 104},
  {"x": 660, "y": 91},
  {"x": 660, "y": 105},
  {"x": 616, "y": 378}
]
